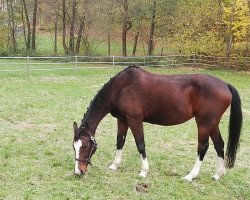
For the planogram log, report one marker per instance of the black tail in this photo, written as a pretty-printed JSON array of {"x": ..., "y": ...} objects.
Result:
[{"x": 235, "y": 124}]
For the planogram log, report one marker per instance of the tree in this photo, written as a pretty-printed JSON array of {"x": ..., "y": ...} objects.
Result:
[
  {"x": 139, "y": 17},
  {"x": 33, "y": 31},
  {"x": 126, "y": 23},
  {"x": 236, "y": 18},
  {"x": 12, "y": 26},
  {"x": 106, "y": 20},
  {"x": 79, "y": 38},
  {"x": 152, "y": 29},
  {"x": 72, "y": 27},
  {"x": 64, "y": 20},
  {"x": 26, "y": 24}
]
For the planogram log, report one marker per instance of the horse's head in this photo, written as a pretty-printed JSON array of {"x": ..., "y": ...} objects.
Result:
[{"x": 85, "y": 146}]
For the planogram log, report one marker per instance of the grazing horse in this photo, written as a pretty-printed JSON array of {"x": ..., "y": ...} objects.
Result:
[{"x": 135, "y": 96}]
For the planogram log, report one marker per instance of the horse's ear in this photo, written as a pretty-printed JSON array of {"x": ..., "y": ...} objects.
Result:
[{"x": 75, "y": 127}]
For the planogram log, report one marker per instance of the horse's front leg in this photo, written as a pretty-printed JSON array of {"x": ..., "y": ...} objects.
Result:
[
  {"x": 136, "y": 127},
  {"x": 121, "y": 137}
]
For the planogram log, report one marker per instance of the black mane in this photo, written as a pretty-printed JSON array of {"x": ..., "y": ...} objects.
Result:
[{"x": 100, "y": 96}]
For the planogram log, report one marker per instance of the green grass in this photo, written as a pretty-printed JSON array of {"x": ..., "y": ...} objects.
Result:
[{"x": 37, "y": 158}]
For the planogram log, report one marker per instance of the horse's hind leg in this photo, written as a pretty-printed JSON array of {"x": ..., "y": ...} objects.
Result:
[
  {"x": 203, "y": 136},
  {"x": 121, "y": 137},
  {"x": 219, "y": 147}
]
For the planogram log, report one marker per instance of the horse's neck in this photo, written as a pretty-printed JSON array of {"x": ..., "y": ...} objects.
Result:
[
  {"x": 97, "y": 111},
  {"x": 100, "y": 106},
  {"x": 93, "y": 120}
]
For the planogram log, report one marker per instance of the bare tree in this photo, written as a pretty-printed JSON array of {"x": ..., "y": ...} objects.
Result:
[
  {"x": 135, "y": 42},
  {"x": 34, "y": 22},
  {"x": 79, "y": 38},
  {"x": 126, "y": 24},
  {"x": 72, "y": 27},
  {"x": 56, "y": 33},
  {"x": 152, "y": 29},
  {"x": 11, "y": 25},
  {"x": 26, "y": 24},
  {"x": 64, "y": 13}
]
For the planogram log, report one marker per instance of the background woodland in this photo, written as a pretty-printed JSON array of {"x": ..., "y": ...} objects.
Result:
[{"x": 125, "y": 27}]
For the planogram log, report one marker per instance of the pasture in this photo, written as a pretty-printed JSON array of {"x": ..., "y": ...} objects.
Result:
[{"x": 37, "y": 158}]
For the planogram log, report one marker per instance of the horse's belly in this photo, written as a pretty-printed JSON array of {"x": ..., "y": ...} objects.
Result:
[
  {"x": 165, "y": 121},
  {"x": 169, "y": 117}
]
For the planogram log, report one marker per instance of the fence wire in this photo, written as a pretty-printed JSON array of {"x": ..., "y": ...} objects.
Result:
[{"x": 14, "y": 64}]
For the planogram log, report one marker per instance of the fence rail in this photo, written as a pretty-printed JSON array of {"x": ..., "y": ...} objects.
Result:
[{"x": 73, "y": 62}]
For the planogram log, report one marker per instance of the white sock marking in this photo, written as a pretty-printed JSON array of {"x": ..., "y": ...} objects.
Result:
[
  {"x": 77, "y": 146},
  {"x": 117, "y": 160},
  {"x": 195, "y": 171},
  {"x": 145, "y": 167},
  {"x": 221, "y": 169}
]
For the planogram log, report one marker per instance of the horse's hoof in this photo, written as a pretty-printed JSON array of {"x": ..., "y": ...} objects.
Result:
[
  {"x": 216, "y": 177},
  {"x": 113, "y": 167},
  {"x": 187, "y": 178},
  {"x": 143, "y": 174}
]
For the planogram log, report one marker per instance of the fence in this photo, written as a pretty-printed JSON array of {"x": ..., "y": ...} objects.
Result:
[{"x": 12, "y": 64}]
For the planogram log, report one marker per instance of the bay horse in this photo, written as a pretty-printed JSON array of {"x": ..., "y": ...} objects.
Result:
[{"x": 135, "y": 96}]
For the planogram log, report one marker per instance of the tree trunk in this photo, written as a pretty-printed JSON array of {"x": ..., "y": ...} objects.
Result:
[
  {"x": 162, "y": 51},
  {"x": 72, "y": 28},
  {"x": 65, "y": 47},
  {"x": 229, "y": 47},
  {"x": 86, "y": 45},
  {"x": 247, "y": 45},
  {"x": 24, "y": 26},
  {"x": 28, "y": 35},
  {"x": 124, "y": 40},
  {"x": 33, "y": 40},
  {"x": 230, "y": 33},
  {"x": 109, "y": 44},
  {"x": 11, "y": 25},
  {"x": 135, "y": 43},
  {"x": 220, "y": 20},
  {"x": 152, "y": 30},
  {"x": 56, "y": 27},
  {"x": 79, "y": 38},
  {"x": 125, "y": 27}
]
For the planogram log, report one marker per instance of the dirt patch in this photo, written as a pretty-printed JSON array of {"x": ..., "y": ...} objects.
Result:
[{"x": 142, "y": 187}]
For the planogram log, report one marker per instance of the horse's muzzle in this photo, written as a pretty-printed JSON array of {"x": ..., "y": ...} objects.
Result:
[{"x": 79, "y": 172}]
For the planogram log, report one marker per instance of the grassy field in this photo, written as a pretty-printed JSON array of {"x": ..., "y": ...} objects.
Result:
[{"x": 37, "y": 158}]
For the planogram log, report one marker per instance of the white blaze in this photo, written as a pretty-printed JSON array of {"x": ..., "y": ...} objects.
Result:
[{"x": 77, "y": 146}]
